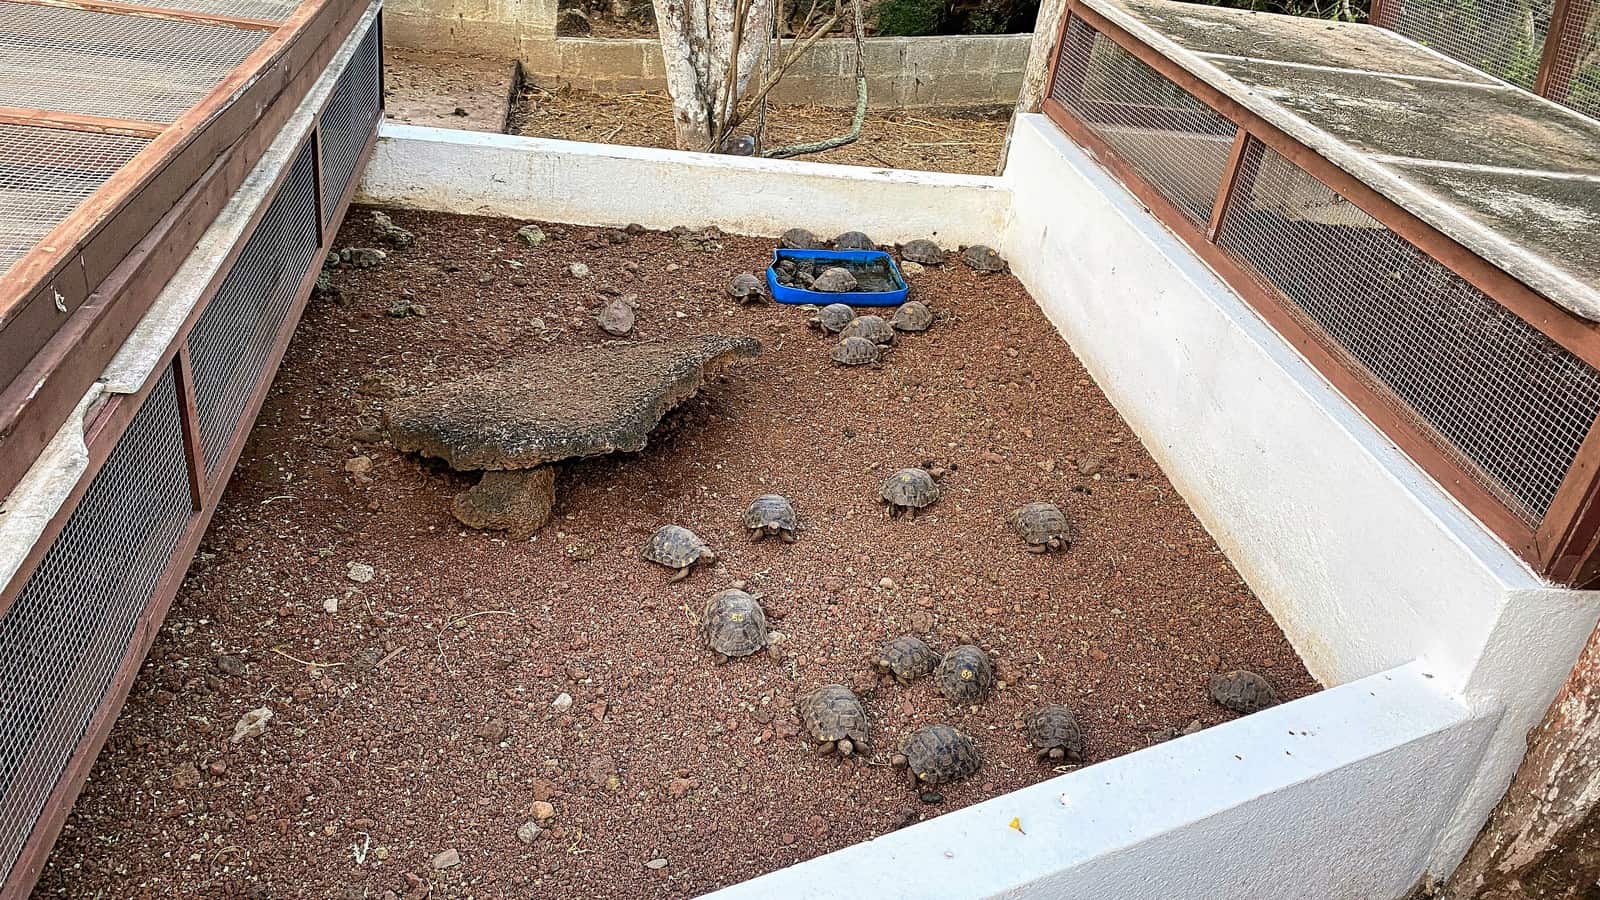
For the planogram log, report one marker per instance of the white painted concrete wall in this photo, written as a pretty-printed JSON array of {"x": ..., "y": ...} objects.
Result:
[
  {"x": 1336, "y": 795},
  {"x": 1362, "y": 559},
  {"x": 600, "y": 184}
]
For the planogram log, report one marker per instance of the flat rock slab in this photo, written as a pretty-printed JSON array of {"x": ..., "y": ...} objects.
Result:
[{"x": 560, "y": 405}]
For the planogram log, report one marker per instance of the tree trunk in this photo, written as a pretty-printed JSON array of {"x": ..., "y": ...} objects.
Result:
[
  {"x": 700, "y": 40},
  {"x": 1035, "y": 75},
  {"x": 1543, "y": 840}
]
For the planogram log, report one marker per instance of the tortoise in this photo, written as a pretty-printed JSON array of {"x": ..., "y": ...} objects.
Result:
[
  {"x": 834, "y": 280},
  {"x": 908, "y": 490},
  {"x": 937, "y": 754},
  {"x": 1054, "y": 733},
  {"x": 1042, "y": 526},
  {"x": 913, "y": 315},
  {"x": 853, "y": 240},
  {"x": 922, "y": 252},
  {"x": 799, "y": 239},
  {"x": 733, "y": 624},
  {"x": 747, "y": 288},
  {"x": 1243, "y": 692},
  {"x": 771, "y": 515},
  {"x": 835, "y": 717},
  {"x": 965, "y": 674},
  {"x": 983, "y": 258},
  {"x": 678, "y": 548},
  {"x": 906, "y": 658},
  {"x": 855, "y": 351},
  {"x": 833, "y": 318},
  {"x": 873, "y": 328}
]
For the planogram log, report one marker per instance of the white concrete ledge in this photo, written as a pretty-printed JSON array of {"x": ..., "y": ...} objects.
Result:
[
  {"x": 600, "y": 184},
  {"x": 1335, "y": 795}
]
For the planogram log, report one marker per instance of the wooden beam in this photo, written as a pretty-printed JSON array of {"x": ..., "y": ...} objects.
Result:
[
  {"x": 50, "y": 118},
  {"x": 159, "y": 12}
]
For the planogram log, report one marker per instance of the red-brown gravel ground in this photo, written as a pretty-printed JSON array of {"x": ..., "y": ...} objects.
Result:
[{"x": 424, "y": 720}]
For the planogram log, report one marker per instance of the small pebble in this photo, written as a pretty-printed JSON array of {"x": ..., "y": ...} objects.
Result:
[
  {"x": 578, "y": 270},
  {"x": 562, "y": 702},
  {"x": 657, "y": 863},
  {"x": 529, "y": 831},
  {"x": 360, "y": 573},
  {"x": 446, "y": 859}
]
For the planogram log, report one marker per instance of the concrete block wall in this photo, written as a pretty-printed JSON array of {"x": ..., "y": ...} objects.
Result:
[{"x": 964, "y": 70}]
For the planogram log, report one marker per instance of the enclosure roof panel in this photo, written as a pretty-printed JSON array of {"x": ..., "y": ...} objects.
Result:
[{"x": 1511, "y": 176}]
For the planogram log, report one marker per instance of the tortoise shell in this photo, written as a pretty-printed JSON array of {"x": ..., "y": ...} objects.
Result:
[
  {"x": 906, "y": 658},
  {"x": 1043, "y": 526},
  {"x": 939, "y": 754},
  {"x": 922, "y": 252},
  {"x": 909, "y": 489},
  {"x": 913, "y": 315},
  {"x": 1053, "y": 731},
  {"x": 799, "y": 239},
  {"x": 983, "y": 258},
  {"x": 1243, "y": 692},
  {"x": 855, "y": 351},
  {"x": 771, "y": 515},
  {"x": 834, "y": 716},
  {"x": 676, "y": 547},
  {"x": 833, "y": 318},
  {"x": 834, "y": 280},
  {"x": 734, "y": 624},
  {"x": 853, "y": 240},
  {"x": 747, "y": 288},
  {"x": 873, "y": 328},
  {"x": 965, "y": 674}
]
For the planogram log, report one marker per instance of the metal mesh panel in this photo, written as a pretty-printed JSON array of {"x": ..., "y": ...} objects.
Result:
[
  {"x": 1178, "y": 144},
  {"x": 350, "y": 116},
  {"x": 106, "y": 64},
  {"x": 1504, "y": 38},
  {"x": 63, "y": 639},
  {"x": 1576, "y": 73},
  {"x": 45, "y": 173},
  {"x": 1506, "y": 403},
  {"x": 233, "y": 338},
  {"x": 265, "y": 10}
]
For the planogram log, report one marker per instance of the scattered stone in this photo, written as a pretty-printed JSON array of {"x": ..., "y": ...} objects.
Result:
[
  {"x": 362, "y": 257},
  {"x": 324, "y": 287},
  {"x": 532, "y": 235},
  {"x": 360, "y": 573},
  {"x": 446, "y": 859},
  {"x": 228, "y": 664},
  {"x": 543, "y": 810},
  {"x": 518, "y": 502},
  {"x": 679, "y": 787},
  {"x": 405, "y": 309},
  {"x": 657, "y": 863},
  {"x": 389, "y": 231},
  {"x": 251, "y": 724},
  {"x": 529, "y": 831},
  {"x": 616, "y": 318},
  {"x": 330, "y": 605},
  {"x": 911, "y": 269},
  {"x": 185, "y": 776},
  {"x": 578, "y": 270},
  {"x": 562, "y": 703},
  {"x": 834, "y": 280},
  {"x": 1090, "y": 465},
  {"x": 358, "y": 465},
  {"x": 494, "y": 731}
]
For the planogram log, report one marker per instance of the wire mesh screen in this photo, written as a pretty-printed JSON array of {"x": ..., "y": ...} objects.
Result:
[
  {"x": 1176, "y": 143},
  {"x": 45, "y": 173},
  {"x": 233, "y": 338},
  {"x": 106, "y": 64},
  {"x": 65, "y": 636},
  {"x": 1504, "y": 38},
  {"x": 1504, "y": 402},
  {"x": 1575, "y": 75},
  {"x": 264, "y": 10},
  {"x": 350, "y": 116}
]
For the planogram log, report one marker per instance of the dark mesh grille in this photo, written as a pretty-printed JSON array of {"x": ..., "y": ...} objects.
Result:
[
  {"x": 1506, "y": 403},
  {"x": 1178, "y": 144},
  {"x": 234, "y": 336},
  {"x": 1576, "y": 75},
  {"x": 69, "y": 629},
  {"x": 350, "y": 116}
]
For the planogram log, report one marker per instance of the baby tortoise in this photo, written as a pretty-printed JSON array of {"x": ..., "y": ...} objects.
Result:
[
  {"x": 835, "y": 280},
  {"x": 873, "y": 328},
  {"x": 908, "y": 490},
  {"x": 834, "y": 716},
  {"x": 913, "y": 315},
  {"x": 678, "y": 548},
  {"x": 833, "y": 318},
  {"x": 771, "y": 515},
  {"x": 855, "y": 351},
  {"x": 746, "y": 289},
  {"x": 1054, "y": 733},
  {"x": 1243, "y": 692},
  {"x": 1042, "y": 526},
  {"x": 922, "y": 252},
  {"x": 733, "y": 624},
  {"x": 799, "y": 239},
  {"x": 853, "y": 240},
  {"x": 938, "y": 754},
  {"x": 965, "y": 675},
  {"x": 907, "y": 658},
  {"x": 983, "y": 259}
]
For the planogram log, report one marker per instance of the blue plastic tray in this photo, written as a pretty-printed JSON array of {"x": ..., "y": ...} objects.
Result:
[{"x": 784, "y": 294}]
